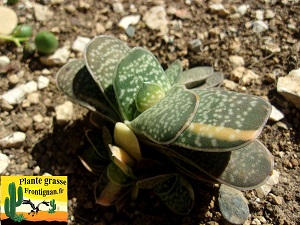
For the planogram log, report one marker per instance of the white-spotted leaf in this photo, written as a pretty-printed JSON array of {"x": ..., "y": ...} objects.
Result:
[
  {"x": 76, "y": 82},
  {"x": 147, "y": 95},
  {"x": 166, "y": 120},
  {"x": 196, "y": 76},
  {"x": 224, "y": 121},
  {"x": 101, "y": 57},
  {"x": 135, "y": 68},
  {"x": 173, "y": 72}
]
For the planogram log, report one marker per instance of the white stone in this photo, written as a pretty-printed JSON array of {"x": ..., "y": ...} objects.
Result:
[
  {"x": 276, "y": 115},
  {"x": 129, "y": 20},
  {"x": 259, "y": 26},
  {"x": 259, "y": 14},
  {"x": 236, "y": 61},
  {"x": 289, "y": 87},
  {"x": 29, "y": 87},
  {"x": 8, "y": 20},
  {"x": 156, "y": 19},
  {"x": 64, "y": 113},
  {"x": 263, "y": 190},
  {"x": 269, "y": 14},
  {"x": 15, "y": 139},
  {"x": 33, "y": 98},
  {"x": 242, "y": 9},
  {"x": 229, "y": 84},
  {"x": 54, "y": 2},
  {"x": 256, "y": 222},
  {"x": 250, "y": 77},
  {"x": 58, "y": 58},
  {"x": 38, "y": 118},
  {"x": 4, "y": 162},
  {"x": 80, "y": 43},
  {"x": 4, "y": 61},
  {"x": 118, "y": 7},
  {"x": 17, "y": 94},
  {"x": 14, "y": 96},
  {"x": 218, "y": 9},
  {"x": 43, "y": 82},
  {"x": 42, "y": 12}
]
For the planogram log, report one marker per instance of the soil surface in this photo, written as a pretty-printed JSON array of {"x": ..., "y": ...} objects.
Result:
[{"x": 50, "y": 148}]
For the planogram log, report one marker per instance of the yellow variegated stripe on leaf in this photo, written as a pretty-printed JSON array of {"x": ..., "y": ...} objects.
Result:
[
  {"x": 127, "y": 140},
  {"x": 224, "y": 121},
  {"x": 148, "y": 95},
  {"x": 165, "y": 121},
  {"x": 135, "y": 68}
]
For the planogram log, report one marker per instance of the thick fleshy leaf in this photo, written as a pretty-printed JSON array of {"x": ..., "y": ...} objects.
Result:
[
  {"x": 107, "y": 193},
  {"x": 165, "y": 121},
  {"x": 151, "y": 182},
  {"x": 246, "y": 168},
  {"x": 233, "y": 205},
  {"x": 173, "y": 72},
  {"x": 196, "y": 76},
  {"x": 224, "y": 121},
  {"x": 127, "y": 140},
  {"x": 214, "y": 80},
  {"x": 101, "y": 57},
  {"x": 135, "y": 68},
  {"x": 147, "y": 95},
  {"x": 97, "y": 144},
  {"x": 76, "y": 82},
  {"x": 92, "y": 161},
  {"x": 117, "y": 176},
  {"x": 176, "y": 193}
]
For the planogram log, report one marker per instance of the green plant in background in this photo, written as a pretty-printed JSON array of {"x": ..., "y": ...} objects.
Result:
[
  {"x": 10, "y": 203},
  {"x": 185, "y": 129},
  {"x": 21, "y": 33},
  {"x": 46, "y": 42},
  {"x": 53, "y": 206}
]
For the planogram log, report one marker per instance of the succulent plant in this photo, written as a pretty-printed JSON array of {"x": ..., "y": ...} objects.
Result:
[
  {"x": 173, "y": 128},
  {"x": 46, "y": 42}
]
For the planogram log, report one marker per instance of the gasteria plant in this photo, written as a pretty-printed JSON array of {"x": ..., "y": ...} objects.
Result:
[{"x": 182, "y": 128}]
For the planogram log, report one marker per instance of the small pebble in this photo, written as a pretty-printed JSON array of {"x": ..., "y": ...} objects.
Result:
[
  {"x": 36, "y": 170},
  {"x": 15, "y": 139},
  {"x": 195, "y": 45},
  {"x": 126, "y": 21},
  {"x": 259, "y": 26},
  {"x": 58, "y": 58},
  {"x": 80, "y": 43},
  {"x": 242, "y": 9},
  {"x": 64, "y": 113},
  {"x": 4, "y": 61},
  {"x": 33, "y": 98},
  {"x": 276, "y": 115},
  {"x": 13, "y": 79},
  {"x": 263, "y": 190},
  {"x": 43, "y": 82},
  {"x": 38, "y": 118},
  {"x": 4, "y": 162},
  {"x": 236, "y": 61}
]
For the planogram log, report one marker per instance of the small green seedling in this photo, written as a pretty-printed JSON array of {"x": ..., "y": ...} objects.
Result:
[
  {"x": 46, "y": 42},
  {"x": 21, "y": 33},
  {"x": 177, "y": 127}
]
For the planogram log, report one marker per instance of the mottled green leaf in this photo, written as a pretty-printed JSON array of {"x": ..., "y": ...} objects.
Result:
[
  {"x": 176, "y": 193},
  {"x": 196, "y": 76},
  {"x": 173, "y": 72},
  {"x": 246, "y": 168},
  {"x": 76, "y": 82},
  {"x": 135, "y": 68},
  {"x": 165, "y": 121},
  {"x": 224, "y": 121},
  {"x": 147, "y": 95},
  {"x": 101, "y": 57}
]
